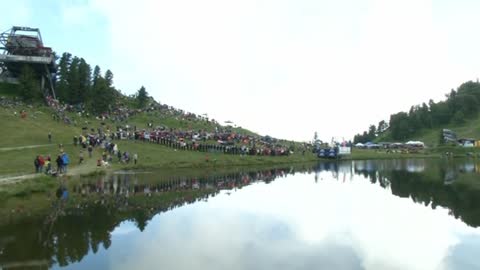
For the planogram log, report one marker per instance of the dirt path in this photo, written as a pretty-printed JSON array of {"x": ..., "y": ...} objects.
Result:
[
  {"x": 88, "y": 166},
  {"x": 18, "y": 178},
  {"x": 24, "y": 147}
]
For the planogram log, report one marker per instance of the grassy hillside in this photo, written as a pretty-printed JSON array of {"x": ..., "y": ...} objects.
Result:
[
  {"x": 469, "y": 129},
  {"x": 460, "y": 112},
  {"x": 21, "y": 140},
  {"x": 8, "y": 90}
]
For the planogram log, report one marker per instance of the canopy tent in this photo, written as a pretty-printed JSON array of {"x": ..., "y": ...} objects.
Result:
[{"x": 415, "y": 143}]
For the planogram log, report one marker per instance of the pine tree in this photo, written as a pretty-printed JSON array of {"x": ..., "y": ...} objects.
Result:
[
  {"x": 85, "y": 80},
  {"x": 62, "y": 75},
  {"x": 109, "y": 77},
  {"x": 29, "y": 87},
  {"x": 73, "y": 80},
  {"x": 103, "y": 97},
  {"x": 142, "y": 97},
  {"x": 97, "y": 73}
]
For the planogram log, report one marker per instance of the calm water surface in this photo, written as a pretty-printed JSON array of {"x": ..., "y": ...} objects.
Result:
[{"x": 400, "y": 214}]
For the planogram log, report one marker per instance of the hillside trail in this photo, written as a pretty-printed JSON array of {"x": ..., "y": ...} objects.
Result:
[
  {"x": 87, "y": 166},
  {"x": 18, "y": 178},
  {"x": 24, "y": 147}
]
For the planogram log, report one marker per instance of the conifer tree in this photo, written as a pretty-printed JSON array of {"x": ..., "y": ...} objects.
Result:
[
  {"x": 142, "y": 97},
  {"x": 29, "y": 87}
]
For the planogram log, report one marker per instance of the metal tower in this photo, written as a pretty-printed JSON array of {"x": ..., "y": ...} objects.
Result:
[{"x": 24, "y": 45}]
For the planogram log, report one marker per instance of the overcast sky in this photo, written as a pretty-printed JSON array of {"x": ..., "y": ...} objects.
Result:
[{"x": 282, "y": 68}]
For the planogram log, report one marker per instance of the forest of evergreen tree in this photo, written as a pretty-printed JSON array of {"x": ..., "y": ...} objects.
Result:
[
  {"x": 460, "y": 105},
  {"x": 77, "y": 84}
]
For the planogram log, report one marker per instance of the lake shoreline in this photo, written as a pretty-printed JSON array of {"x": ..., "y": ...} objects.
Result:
[
  {"x": 90, "y": 168},
  {"x": 18, "y": 185}
]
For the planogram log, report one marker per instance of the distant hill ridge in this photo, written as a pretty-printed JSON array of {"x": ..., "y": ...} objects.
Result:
[
  {"x": 87, "y": 89},
  {"x": 459, "y": 112}
]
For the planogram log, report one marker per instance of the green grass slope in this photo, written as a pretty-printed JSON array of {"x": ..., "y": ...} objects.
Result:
[
  {"x": 469, "y": 129},
  {"x": 21, "y": 140}
]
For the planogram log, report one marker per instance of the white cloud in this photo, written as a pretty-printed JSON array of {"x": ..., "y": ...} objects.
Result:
[
  {"x": 75, "y": 15},
  {"x": 19, "y": 13},
  {"x": 353, "y": 222},
  {"x": 285, "y": 68}
]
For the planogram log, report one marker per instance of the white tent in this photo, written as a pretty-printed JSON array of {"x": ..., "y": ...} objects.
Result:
[{"x": 415, "y": 143}]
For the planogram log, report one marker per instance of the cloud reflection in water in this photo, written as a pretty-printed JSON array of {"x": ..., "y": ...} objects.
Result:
[{"x": 293, "y": 223}]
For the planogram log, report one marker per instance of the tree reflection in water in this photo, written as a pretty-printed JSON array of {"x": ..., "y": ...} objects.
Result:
[
  {"x": 448, "y": 183},
  {"x": 97, "y": 206}
]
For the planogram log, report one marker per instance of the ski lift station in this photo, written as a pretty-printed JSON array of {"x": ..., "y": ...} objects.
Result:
[{"x": 20, "y": 46}]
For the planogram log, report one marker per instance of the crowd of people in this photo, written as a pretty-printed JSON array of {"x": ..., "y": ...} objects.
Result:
[
  {"x": 131, "y": 184},
  {"x": 217, "y": 140},
  {"x": 181, "y": 140},
  {"x": 44, "y": 164},
  {"x": 87, "y": 144},
  {"x": 222, "y": 136},
  {"x": 121, "y": 112},
  {"x": 60, "y": 110},
  {"x": 110, "y": 150}
]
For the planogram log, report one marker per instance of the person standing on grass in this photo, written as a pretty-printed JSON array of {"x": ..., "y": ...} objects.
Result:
[
  {"x": 135, "y": 158},
  {"x": 81, "y": 157},
  {"x": 41, "y": 163},
  {"x": 47, "y": 166},
  {"x": 66, "y": 161},
  {"x": 59, "y": 162},
  {"x": 36, "y": 162},
  {"x": 49, "y": 137},
  {"x": 90, "y": 149}
]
